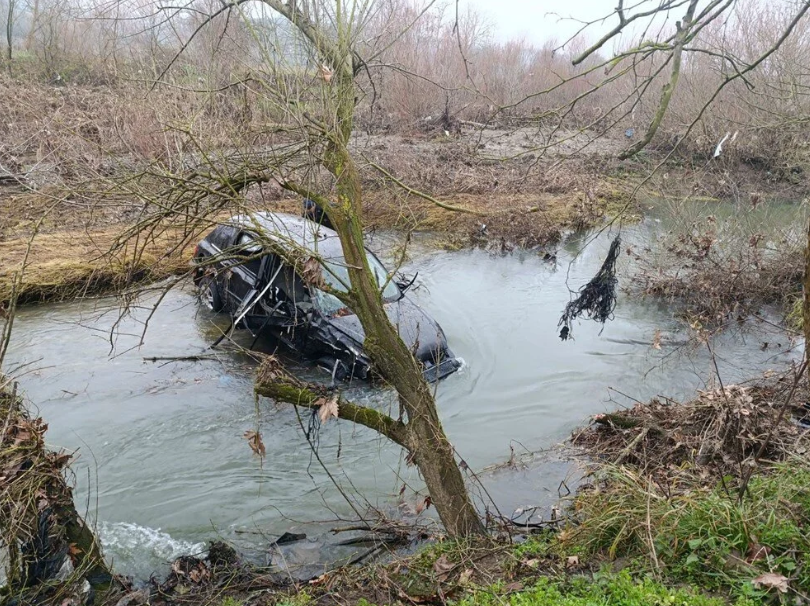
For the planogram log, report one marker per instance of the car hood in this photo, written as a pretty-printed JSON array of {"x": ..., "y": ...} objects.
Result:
[{"x": 416, "y": 329}]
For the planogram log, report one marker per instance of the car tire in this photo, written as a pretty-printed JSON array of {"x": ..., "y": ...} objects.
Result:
[{"x": 209, "y": 295}]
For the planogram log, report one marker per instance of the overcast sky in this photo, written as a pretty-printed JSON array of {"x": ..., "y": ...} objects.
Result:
[{"x": 539, "y": 20}]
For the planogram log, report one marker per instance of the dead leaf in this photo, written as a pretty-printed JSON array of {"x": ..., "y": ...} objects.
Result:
[
  {"x": 21, "y": 437},
  {"x": 656, "y": 342},
  {"x": 442, "y": 567},
  {"x": 328, "y": 409},
  {"x": 254, "y": 439},
  {"x": 772, "y": 580},
  {"x": 532, "y": 563},
  {"x": 513, "y": 587},
  {"x": 60, "y": 459},
  {"x": 423, "y": 505},
  {"x": 571, "y": 561},
  {"x": 312, "y": 273},
  {"x": 757, "y": 552},
  {"x": 326, "y": 73},
  {"x": 464, "y": 577}
]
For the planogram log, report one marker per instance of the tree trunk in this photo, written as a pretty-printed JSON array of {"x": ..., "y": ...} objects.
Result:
[
  {"x": 424, "y": 435},
  {"x": 32, "y": 30},
  {"x": 428, "y": 443},
  {"x": 806, "y": 298},
  {"x": 10, "y": 30}
]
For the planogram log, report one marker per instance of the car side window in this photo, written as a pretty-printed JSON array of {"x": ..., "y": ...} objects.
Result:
[
  {"x": 222, "y": 236},
  {"x": 247, "y": 248},
  {"x": 247, "y": 244}
]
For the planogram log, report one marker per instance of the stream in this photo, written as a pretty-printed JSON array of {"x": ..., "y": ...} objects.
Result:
[{"x": 163, "y": 466}]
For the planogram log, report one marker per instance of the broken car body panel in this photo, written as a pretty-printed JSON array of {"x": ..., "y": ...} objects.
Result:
[{"x": 268, "y": 296}]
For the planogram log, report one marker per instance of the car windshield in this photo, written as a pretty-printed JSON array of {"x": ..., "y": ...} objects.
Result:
[{"x": 336, "y": 276}]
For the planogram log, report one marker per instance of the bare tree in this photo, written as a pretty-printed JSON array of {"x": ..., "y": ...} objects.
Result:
[{"x": 310, "y": 79}]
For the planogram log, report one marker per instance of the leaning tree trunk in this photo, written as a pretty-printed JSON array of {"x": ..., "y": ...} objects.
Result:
[
  {"x": 427, "y": 442},
  {"x": 430, "y": 448}
]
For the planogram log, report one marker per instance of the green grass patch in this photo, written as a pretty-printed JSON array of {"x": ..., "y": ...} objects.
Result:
[
  {"x": 604, "y": 589},
  {"x": 706, "y": 537}
]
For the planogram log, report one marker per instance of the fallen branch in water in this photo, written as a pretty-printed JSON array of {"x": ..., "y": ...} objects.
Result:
[{"x": 199, "y": 358}]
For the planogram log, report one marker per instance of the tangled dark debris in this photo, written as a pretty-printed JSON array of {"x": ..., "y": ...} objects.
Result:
[{"x": 597, "y": 299}]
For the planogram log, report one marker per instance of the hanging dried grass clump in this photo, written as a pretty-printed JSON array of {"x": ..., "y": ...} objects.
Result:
[{"x": 597, "y": 299}]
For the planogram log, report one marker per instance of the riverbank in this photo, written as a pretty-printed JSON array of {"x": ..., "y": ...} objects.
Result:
[
  {"x": 513, "y": 192},
  {"x": 83, "y": 260}
]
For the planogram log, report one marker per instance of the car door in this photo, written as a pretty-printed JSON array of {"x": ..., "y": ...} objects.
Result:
[{"x": 246, "y": 265}]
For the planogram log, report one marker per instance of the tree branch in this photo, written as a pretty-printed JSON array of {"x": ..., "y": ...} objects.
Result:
[
  {"x": 327, "y": 48},
  {"x": 669, "y": 87},
  {"x": 272, "y": 381},
  {"x": 424, "y": 196},
  {"x": 624, "y": 22}
]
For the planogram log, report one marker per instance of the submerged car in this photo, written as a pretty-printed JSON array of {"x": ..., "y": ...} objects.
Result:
[{"x": 267, "y": 295}]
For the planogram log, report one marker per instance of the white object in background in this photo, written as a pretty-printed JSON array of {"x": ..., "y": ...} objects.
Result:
[{"x": 719, "y": 147}]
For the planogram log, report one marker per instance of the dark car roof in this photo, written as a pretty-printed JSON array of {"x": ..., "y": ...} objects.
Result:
[{"x": 291, "y": 231}]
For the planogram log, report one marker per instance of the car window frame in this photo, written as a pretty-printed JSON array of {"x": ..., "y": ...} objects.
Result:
[{"x": 390, "y": 283}]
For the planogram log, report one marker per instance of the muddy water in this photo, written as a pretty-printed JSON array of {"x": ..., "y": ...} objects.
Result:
[{"x": 163, "y": 466}]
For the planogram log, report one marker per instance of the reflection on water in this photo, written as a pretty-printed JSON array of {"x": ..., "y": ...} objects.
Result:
[{"x": 163, "y": 463}]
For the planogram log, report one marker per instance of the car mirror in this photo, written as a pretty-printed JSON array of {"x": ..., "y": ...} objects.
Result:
[{"x": 404, "y": 283}]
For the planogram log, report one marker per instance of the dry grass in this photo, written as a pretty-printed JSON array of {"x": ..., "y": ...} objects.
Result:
[
  {"x": 69, "y": 264},
  {"x": 72, "y": 264},
  {"x": 510, "y": 220}
]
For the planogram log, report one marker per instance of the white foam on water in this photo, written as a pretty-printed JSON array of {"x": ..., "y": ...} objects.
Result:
[{"x": 140, "y": 551}]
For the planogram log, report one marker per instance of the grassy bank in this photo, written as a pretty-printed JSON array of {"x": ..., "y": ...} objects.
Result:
[{"x": 76, "y": 262}]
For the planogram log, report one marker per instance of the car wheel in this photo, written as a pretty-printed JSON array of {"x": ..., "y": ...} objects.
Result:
[{"x": 209, "y": 295}]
